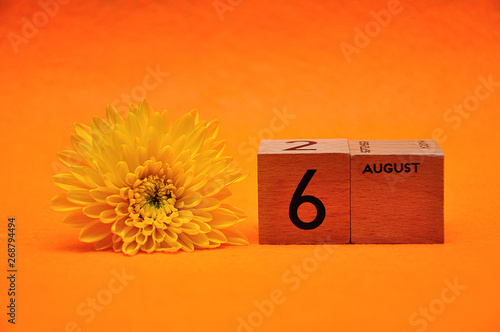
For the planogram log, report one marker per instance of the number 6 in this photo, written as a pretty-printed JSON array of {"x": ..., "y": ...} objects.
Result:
[{"x": 298, "y": 199}]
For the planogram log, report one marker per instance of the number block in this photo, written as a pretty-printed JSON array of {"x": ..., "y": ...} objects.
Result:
[
  {"x": 396, "y": 191},
  {"x": 303, "y": 190}
]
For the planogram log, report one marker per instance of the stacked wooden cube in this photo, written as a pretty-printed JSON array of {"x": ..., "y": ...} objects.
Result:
[{"x": 337, "y": 191}]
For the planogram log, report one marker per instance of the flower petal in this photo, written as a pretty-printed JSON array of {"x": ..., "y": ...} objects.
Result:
[
  {"x": 67, "y": 181},
  {"x": 77, "y": 219},
  {"x": 190, "y": 228},
  {"x": 195, "y": 140},
  {"x": 235, "y": 237},
  {"x": 61, "y": 203},
  {"x": 239, "y": 212},
  {"x": 208, "y": 204},
  {"x": 94, "y": 232},
  {"x": 222, "y": 218},
  {"x": 80, "y": 196},
  {"x": 119, "y": 226},
  {"x": 158, "y": 235},
  {"x": 94, "y": 210},
  {"x": 168, "y": 247},
  {"x": 122, "y": 209},
  {"x": 83, "y": 131},
  {"x": 100, "y": 194},
  {"x": 104, "y": 243},
  {"x": 213, "y": 187},
  {"x": 184, "y": 216},
  {"x": 202, "y": 216},
  {"x": 150, "y": 245},
  {"x": 170, "y": 236},
  {"x": 186, "y": 243},
  {"x": 70, "y": 158},
  {"x": 184, "y": 125},
  {"x": 131, "y": 234},
  {"x": 130, "y": 248},
  {"x": 212, "y": 129},
  {"x": 201, "y": 240},
  {"x": 114, "y": 200},
  {"x": 223, "y": 194},
  {"x": 216, "y": 236},
  {"x": 113, "y": 116},
  {"x": 204, "y": 227},
  {"x": 108, "y": 216},
  {"x": 192, "y": 199},
  {"x": 141, "y": 238},
  {"x": 132, "y": 125}
]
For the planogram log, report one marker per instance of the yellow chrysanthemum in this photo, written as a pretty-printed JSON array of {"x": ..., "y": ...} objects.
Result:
[{"x": 145, "y": 184}]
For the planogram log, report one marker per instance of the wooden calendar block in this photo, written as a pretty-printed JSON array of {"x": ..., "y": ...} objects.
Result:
[
  {"x": 303, "y": 191},
  {"x": 396, "y": 191}
]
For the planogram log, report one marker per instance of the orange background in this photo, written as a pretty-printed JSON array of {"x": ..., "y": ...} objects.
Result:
[{"x": 261, "y": 56}]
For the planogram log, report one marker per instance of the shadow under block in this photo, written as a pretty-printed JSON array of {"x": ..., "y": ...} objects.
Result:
[
  {"x": 397, "y": 191},
  {"x": 296, "y": 178}
]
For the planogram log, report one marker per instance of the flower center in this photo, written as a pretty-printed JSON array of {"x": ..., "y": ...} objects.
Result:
[
  {"x": 156, "y": 194},
  {"x": 154, "y": 198}
]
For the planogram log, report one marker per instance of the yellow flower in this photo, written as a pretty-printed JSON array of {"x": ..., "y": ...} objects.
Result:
[{"x": 145, "y": 184}]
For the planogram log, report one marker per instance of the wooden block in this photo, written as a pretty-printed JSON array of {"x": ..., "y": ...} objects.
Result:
[
  {"x": 396, "y": 191},
  {"x": 303, "y": 191}
]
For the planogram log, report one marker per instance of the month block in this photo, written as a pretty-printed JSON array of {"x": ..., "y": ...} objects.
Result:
[
  {"x": 396, "y": 191},
  {"x": 303, "y": 188}
]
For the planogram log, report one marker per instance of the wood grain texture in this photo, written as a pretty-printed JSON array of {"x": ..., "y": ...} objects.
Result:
[
  {"x": 280, "y": 170},
  {"x": 398, "y": 197}
]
